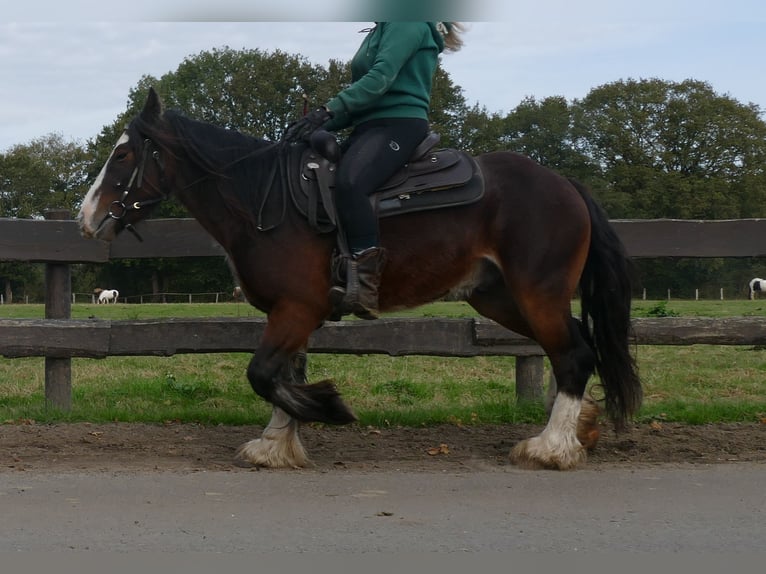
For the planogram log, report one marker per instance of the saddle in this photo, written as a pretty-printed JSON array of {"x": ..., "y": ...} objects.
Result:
[{"x": 432, "y": 179}]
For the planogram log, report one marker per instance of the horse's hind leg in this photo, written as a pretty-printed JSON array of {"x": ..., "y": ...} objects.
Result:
[
  {"x": 588, "y": 431},
  {"x": 280, "y": 444},
  {"x": 559, "y": 445},
  {"x": 547, "y": 320}
]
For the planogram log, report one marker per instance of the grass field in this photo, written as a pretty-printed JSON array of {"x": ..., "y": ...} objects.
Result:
[{"x": 694, "y": 384}]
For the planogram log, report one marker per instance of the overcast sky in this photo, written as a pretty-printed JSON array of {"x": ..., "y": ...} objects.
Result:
[{"x": 67, "y": 68}]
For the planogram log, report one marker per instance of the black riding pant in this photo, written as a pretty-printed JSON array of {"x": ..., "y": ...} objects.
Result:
[{"x": 373, "y": 152}]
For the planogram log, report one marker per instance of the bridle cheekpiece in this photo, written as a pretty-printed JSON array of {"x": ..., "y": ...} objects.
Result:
[{"x": 119, "y": 208}]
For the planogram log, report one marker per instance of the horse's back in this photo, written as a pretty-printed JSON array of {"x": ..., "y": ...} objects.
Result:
[
  {"x": 531, "y": 196},
  {"x": 517, "y": 173}
]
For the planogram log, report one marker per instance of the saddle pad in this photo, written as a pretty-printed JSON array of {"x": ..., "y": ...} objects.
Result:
[{"x": 443, "y": 178}]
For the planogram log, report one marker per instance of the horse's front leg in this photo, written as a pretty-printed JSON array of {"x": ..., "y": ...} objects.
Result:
[
  {"x": 273, "y": 372},
  {"x": 285, "y": 335},
  {"x": 280, "y": 444}
]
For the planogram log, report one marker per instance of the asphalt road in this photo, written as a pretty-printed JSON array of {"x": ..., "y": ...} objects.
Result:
[{"x": 648, "y": 509}]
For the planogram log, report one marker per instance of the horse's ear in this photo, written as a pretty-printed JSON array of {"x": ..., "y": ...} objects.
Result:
[{"x": 152, "y": 106}]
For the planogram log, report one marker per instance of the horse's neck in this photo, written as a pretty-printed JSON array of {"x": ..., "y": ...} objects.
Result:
[
  {"x": 227, "y": 226},
  {"x": 204, "y": 203}
]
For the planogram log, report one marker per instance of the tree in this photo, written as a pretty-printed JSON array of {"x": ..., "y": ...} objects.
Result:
[
  {"x": 256, "y": 92},
  {"x": 543, "y": 131},
  {"x": 668, "y": 149},
  {"x": 44, "y": 174},
  {"x": 47, "y": 173},
  {"x": 676, "y": 150},
  {"x": 448, "y": 107},
  {"x": 479, "y": 131}
]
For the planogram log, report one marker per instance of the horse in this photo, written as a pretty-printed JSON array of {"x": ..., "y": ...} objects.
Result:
[
  {"x": 756, "y": 285},
  {"x": 106, "y": 295},
  {"x": 518, "y": 256}
]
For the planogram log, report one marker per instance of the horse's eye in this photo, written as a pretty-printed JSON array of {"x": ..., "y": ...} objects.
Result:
[{"x": 120, "y": 156}]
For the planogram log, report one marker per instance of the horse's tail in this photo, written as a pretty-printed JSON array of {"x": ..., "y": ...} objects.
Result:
[{"x": 605, "y": 290}]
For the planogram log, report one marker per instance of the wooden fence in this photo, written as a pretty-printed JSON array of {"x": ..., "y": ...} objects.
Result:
[{"x": 57, "y": 242}]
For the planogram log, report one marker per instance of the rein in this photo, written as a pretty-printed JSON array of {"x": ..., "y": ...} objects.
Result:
[
  {"x": 119, "y": 208},
  {"x": 279, "y": 167}
]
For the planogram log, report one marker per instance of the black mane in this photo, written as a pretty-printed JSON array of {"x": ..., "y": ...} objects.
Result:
[{"x": 241, "y": 167}]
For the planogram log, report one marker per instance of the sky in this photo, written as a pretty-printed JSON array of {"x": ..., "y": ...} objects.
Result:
[{"x": 68, "y": 68}]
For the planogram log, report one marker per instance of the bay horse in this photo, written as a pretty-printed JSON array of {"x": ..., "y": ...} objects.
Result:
[{"x": 518, "y": 256}]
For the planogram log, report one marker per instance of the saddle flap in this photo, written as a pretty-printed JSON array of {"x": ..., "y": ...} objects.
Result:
[
  {"x": 313, "y": 194},
  {"x": 430, "y": 163},
  {"x": 438, "y": 170},
  {"x": 460, "y": 184}
]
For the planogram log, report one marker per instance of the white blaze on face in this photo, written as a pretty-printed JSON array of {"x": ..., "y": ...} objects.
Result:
[{"x": 89, "y": 221}]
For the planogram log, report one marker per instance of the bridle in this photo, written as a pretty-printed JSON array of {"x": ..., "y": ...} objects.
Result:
[{"x": 119, "y": 208}]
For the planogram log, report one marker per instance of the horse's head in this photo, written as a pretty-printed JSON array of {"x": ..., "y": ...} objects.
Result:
[{"x": 131, "y": 182}]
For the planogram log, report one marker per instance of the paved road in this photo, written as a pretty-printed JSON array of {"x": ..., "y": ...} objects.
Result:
[{"x": 647, "y": 509}]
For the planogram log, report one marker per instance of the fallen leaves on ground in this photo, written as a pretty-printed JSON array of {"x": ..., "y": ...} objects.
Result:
[{"x": 436, "y": 450}]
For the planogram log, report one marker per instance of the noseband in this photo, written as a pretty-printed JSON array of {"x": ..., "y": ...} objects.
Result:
[{"x": 119, "y": 208}]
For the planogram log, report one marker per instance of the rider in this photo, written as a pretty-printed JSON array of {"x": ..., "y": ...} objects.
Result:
[{"x": 387, "y": 106}]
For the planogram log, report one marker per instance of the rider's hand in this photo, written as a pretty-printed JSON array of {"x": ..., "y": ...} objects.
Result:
[{"x": 304, "y": 127}]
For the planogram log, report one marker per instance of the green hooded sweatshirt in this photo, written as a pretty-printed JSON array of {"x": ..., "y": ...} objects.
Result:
[{"x": 391, "y": 75}]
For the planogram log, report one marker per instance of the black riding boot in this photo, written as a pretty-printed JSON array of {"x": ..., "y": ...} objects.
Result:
[{"x": 360, "y": 295}]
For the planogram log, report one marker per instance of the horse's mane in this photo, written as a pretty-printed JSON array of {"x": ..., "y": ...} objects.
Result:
[{"x": 241, "y": 166}]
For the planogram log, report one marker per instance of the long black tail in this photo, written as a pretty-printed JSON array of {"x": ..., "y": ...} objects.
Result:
[{"x": 605, "y": 290}]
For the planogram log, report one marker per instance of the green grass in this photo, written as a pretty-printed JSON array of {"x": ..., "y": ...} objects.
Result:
[
  {"x": 123, "y": 311},
  {"x": 706, "y": 308},
  {"x": 694, "y": 384},
  {"x": 456, "y": 309}
]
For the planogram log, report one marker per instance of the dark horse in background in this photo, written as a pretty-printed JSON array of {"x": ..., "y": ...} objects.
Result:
[{"x": 518, "y": 256}]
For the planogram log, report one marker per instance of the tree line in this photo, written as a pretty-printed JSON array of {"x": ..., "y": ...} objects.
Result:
[{"x": 647, "y": 148}]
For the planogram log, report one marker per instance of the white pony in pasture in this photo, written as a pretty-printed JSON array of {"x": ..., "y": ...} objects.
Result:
[
  {"x": 757, "y": 284},
  {"x": 107, "y": 295}
]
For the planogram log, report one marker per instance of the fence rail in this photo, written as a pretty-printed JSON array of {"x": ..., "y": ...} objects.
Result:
[
  {"x": 58, "y": 338},
  {"x": 60, "y": 241},
  {"x": 98, "y": 338}
]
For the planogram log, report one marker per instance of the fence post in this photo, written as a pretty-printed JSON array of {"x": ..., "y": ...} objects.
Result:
[
  {"x": 58, "y": 295},
  {"x": 529, "y": 378}
]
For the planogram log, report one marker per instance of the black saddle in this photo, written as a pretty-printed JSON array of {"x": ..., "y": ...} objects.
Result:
[{"x": 432, "y": 179}]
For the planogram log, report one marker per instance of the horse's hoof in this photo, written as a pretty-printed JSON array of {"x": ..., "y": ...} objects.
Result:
[
  {"x": 268, "y": 453},
  {"x": 536, "y": 454},
  {"x": 589, "y": 439},
  {"x": 588, "y": 431}
]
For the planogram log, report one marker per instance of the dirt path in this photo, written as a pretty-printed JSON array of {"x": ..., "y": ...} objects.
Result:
[{"x": 187, "y": 447}]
